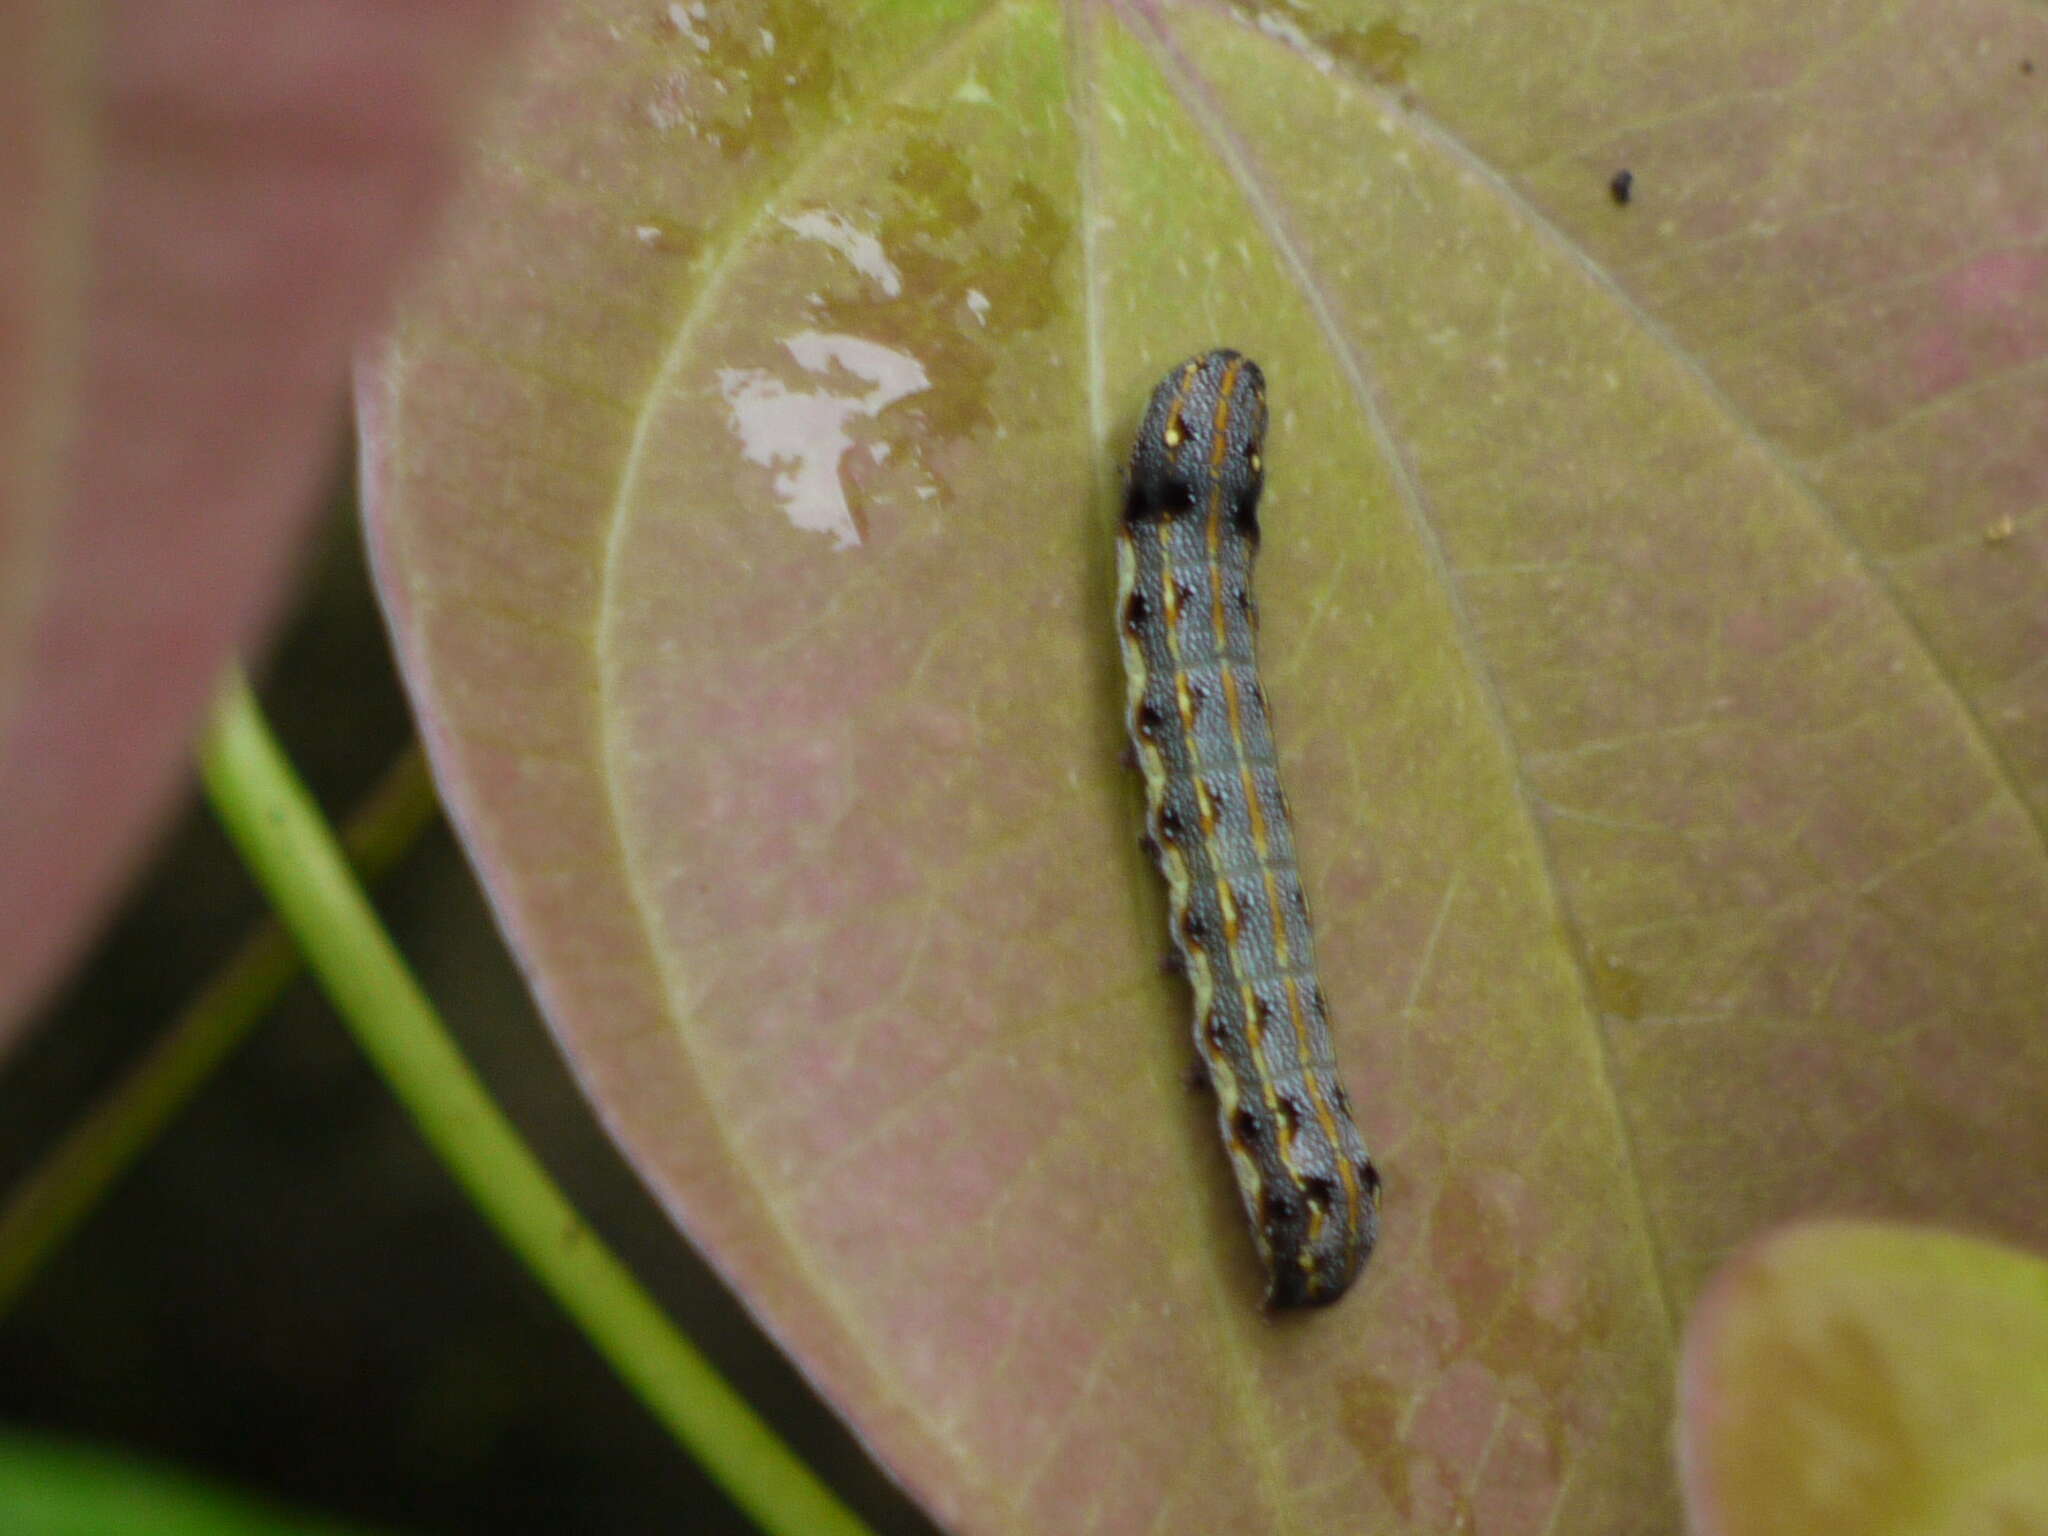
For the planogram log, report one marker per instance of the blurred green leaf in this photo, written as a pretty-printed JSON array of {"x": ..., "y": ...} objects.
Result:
[
  {"x": 1858, "y": 1378},
  {"x": 51, "y": 1487}
]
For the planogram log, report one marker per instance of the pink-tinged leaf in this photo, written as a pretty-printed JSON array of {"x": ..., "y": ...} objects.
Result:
[
  {"x": 1860, "y": 1379},
  {"x": 1651, "y": 663},
  {"x": 201, "y": 204}
]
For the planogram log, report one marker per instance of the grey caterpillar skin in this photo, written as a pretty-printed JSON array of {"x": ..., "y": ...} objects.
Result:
[{"x": 1219, "y": 826}]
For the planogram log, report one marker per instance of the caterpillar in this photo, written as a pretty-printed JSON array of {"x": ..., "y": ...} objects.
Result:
[{"x": 1218, "y": 826}]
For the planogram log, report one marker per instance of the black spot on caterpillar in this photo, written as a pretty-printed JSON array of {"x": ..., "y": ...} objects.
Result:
[{"x": 1220, "y": 831}]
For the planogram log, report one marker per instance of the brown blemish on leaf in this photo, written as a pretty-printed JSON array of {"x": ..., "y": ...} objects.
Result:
[
  {"x": 1616, "y": 988},
  {"x": 744, "y": 80},
  {"x": 666, "y": 237},
  {"x": 1383, "y": 50},
  {"x": 948, "y": 243}
]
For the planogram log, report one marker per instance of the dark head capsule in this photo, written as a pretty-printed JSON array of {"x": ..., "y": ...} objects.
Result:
[{"x": 1202, "y": 442}]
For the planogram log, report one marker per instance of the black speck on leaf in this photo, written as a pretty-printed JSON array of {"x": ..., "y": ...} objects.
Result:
[{"x": 1621, "y": 186}]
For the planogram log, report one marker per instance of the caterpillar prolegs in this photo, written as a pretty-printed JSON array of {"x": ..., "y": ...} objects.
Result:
[{"x": 1218, "y": 824}]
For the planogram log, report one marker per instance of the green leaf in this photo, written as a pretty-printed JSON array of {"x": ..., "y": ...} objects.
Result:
[
  {"x": 1651, "y": 657},
  {"x": 52, "y": 1488},
  {"x": 1854, "y": 1377}
]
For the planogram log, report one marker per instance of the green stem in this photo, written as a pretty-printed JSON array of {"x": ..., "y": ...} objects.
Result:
[
  {"x": 100, "y": 1147},
  {"x": 293, "y": 855}
]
